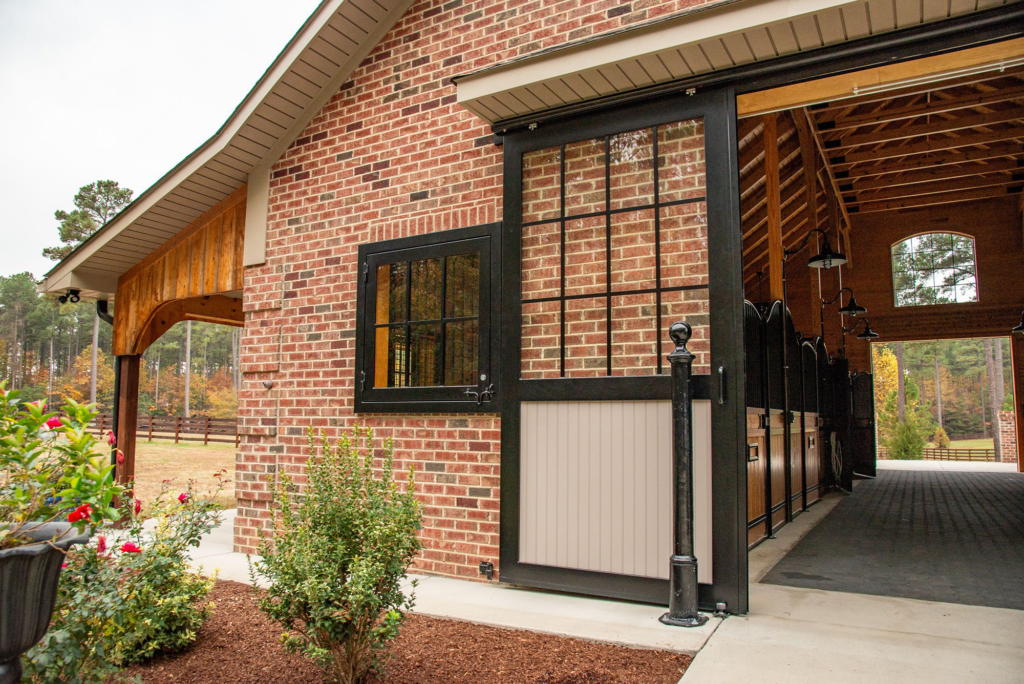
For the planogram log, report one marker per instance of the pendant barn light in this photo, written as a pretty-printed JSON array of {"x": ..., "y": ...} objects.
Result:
[
  {"x": 826, "y": 258},
  {"x": 852, "y": 308},
  {"x": 1019, "y": 328},
  {"x": 867, "y": 334}
]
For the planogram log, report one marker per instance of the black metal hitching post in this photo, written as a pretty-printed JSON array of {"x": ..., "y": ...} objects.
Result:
[{"x": 682, "y": 607}]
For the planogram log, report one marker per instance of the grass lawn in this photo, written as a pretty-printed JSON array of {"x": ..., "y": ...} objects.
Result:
[
  {"x": 968, "y": 444},
  {"x": 158, "y": 460}
]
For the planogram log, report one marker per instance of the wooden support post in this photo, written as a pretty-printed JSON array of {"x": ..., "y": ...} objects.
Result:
[
  {"x": 772, "y": 196},
  {"x": 151, "y": 428},
  {"x": 844, "y": 230},
  {"x": 127, "y": 416},
  {"x": 177, "y": 427},
  {"x": 1017, "y": 357},
  {"x": 206, "y": 430}
]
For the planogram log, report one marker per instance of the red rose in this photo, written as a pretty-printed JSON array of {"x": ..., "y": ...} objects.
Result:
[
  {"x": 53, "y": 423},
  {"x": 120, "y": 457},
  {"x": 111, "y": 439},
  {"x": 85, "y": 511},
  {"x": 74, "y": 517},
  {"x": 183, "y": 497},
  {"x": 129, "y": 547},
  {"x": 101, "y": 544},
  {"x": 138, "y": 506}
]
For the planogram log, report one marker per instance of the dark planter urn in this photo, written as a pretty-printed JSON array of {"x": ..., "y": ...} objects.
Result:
[{"x": 28, "y": 590}]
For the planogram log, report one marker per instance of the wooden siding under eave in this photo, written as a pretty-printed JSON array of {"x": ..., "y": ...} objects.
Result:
[{"x": 202, "y": 260}]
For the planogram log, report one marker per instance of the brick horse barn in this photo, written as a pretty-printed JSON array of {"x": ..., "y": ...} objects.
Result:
[{"x": 470, "y": 224}]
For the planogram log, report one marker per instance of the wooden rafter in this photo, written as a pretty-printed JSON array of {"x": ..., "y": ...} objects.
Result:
[
  {"x": 961, "y": 170},
  {"x": 942, "y": 186},
  {"x": 934, "y": 127},
  {"x": 938, "y": 144},
  {"x": 944, "y": 198},
  {"x": 830, "y": 172},
  {"x": 928, "y": 160},
  {"x": 942, "y": 106}
]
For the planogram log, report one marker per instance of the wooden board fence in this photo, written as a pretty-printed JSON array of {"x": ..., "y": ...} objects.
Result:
[
  {"x": 193, "y": 429},
  {"x": 950, "y": 454}
]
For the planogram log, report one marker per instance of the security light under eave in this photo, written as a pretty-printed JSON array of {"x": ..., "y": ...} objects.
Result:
[{"x": 1019, "y": 328}]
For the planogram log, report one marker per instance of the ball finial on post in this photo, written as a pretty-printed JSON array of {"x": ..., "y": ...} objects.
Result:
[{"x": 680, "y": 332}]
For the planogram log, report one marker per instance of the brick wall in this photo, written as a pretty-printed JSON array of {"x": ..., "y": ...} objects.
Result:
[
  {"x": 392, "y": 155},
  {"x": 1008, "y": 436}
]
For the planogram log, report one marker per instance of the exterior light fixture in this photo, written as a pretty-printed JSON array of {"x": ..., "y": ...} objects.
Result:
[
  {"x": 867, "y": 334},
  {"x": 1019, "y": 328},
  {"x": 72, "y": 295}
]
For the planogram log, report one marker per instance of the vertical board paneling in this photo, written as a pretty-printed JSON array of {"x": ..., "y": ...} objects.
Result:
[
  {"x": 596, "y": 482},
  {"x": 203, "y": 259}
]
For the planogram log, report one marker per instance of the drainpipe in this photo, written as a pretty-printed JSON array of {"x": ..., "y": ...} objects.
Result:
[{"x": 104, "y": 315}]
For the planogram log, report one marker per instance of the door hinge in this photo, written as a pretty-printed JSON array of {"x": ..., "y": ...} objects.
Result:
[
  {"x": 362, "y": 381},
  {"x": 366, "y": 273}
]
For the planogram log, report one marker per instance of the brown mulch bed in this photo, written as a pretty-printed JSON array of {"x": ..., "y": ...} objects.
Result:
[{"x": 239, "y": 645}]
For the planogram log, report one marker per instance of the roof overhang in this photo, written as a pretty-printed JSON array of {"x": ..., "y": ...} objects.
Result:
[
  {"x": 331, "y": 44},
  {"x": 718, "y": 38}
]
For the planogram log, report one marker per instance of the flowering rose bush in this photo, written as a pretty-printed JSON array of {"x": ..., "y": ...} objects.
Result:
[
  {"x": 338, "y": 556},
  {"x": 129, "y": 596},
  {"x": 49, "y": 469}
]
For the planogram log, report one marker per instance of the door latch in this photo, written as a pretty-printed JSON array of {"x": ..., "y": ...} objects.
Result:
[{"x": 483, "y": 396}]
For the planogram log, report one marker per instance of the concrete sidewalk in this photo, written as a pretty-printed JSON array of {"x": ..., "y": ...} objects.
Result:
[
  {"x": 791, "y": 635},
  {"x": 810, "y": 636},
  {"x": 615, "y": 622}
]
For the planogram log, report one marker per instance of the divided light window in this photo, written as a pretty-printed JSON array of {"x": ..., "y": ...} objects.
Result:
[
  {"x": 423, "y": 330},
  {"x": 935, "y": 268}
]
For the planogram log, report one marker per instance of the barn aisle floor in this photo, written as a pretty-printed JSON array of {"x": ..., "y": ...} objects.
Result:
[
  {"x": 808, "y": 636},
  {"x": 956, "y": 537}
]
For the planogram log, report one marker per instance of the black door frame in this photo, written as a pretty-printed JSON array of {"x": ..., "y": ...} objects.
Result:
[
  {"x": 990, "y": 26},
  {"x": 729, "y": 569}
]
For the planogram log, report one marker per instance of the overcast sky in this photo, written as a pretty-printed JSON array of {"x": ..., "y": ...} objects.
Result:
[{"x": 116, "y": 89}]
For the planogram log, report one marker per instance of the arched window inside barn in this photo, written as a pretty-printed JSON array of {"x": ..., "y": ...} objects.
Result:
[{"x": 934, "y": 268}]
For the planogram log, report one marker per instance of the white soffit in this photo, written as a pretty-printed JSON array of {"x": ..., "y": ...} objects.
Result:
[
  {"x": 325, "y": 51},
  {"x": 722, "y": 36}
]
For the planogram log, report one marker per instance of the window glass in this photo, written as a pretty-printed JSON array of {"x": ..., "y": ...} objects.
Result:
[
  {"x": 614, "y": 248},
  {"x": 437, "y": 342},
  {"x": 936, "y": 268}
]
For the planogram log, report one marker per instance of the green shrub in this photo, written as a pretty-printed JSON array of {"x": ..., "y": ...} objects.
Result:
[
  {"x": 907, "y": 443},
  {"x": 941, "y": 438},
  {"x": 129, "y": 595},
  {"x": 339, "y": 553}
]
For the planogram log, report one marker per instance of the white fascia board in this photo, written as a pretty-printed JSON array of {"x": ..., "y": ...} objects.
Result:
[
  {"x": 201, "y": 156},
  {"x": 710, "y": 22},
  {"x": 254, "y": 249}
]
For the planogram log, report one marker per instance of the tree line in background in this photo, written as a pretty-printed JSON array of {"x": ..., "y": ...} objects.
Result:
[
  {"x": 940, "y": 390},
  {"x": 47, "y": 347}
]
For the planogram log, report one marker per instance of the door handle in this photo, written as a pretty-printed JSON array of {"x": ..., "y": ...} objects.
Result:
[{"x": 721, "y": 384}]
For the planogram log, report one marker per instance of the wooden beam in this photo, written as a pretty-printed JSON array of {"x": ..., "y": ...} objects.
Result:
[
  {"x": 919, "y": 130},
  {"x": 755, "y": 221},
  {"x": 943, "y": 158},
  {"x": 933, "y": 107},
  {"x": 945, "y": 198},
  {"x": 918, "y": 189},
  {"x": 774, "y": 217},
  {"x": 845, "y": 234},
  {"x": 809, "y": 163},
  {"x": 1017, "y": 363},
  {"x": 936, "y": 145},
  {"x": 847, "y": 85},
  {"x": 934, "y": 174},
  {"x": 128, "y": 416}
]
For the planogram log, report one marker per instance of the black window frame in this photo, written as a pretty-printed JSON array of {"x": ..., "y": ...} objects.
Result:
[{"x": 484, "y": 238}]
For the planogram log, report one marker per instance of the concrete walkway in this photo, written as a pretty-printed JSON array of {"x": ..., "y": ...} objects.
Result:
[
  {"x": 615, "y": 622},
  {"x": 791, "y": 635},
  {"x": 810, "y": 636},
  {"x": 950, "y": 466}
]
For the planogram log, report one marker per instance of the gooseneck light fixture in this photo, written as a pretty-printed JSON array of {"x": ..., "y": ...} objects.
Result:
[
  {"x": 867, "y": 334},
  {"x": 1019, "y": 328},
  {"x": 851, "y": 308}
]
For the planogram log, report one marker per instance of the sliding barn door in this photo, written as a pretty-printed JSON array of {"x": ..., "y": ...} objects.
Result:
[{"x": 617, "y": 225}]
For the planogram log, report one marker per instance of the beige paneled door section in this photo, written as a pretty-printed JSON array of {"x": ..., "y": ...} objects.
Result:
[{"x": 596, "y": 486}]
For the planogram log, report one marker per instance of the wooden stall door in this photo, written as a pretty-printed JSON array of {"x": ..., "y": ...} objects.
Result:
[{"x": 863, "y": 428}]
